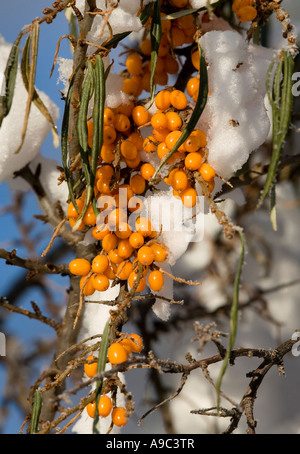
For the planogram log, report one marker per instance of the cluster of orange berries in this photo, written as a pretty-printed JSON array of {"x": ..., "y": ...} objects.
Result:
[
  {"x": 175, "y": 33},
  {"x": 117, "y": 353},
  {"x": 190, "y": 156},
  {"x": 244, "y": 10}
]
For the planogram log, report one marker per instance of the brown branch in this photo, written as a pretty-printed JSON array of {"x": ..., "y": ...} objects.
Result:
[
  {"x": 33, "y": 266},
  {"x": 32, "y": 315}
]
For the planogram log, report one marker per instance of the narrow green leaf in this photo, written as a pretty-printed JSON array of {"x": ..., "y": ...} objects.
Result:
[
  {"x": 65, "y": 156},
  {"x": 156, "y": 34},
  {"x": 102, "y": 358},
  {"x": 98, "y": 112},
  {"x": 31, "y": 70},
  {"x": 233, "y": 317},
  {"x": 146, "y": 13},
  {"x": 25, "y": 69},
  {"x": 281, "y": 99},
  {"x": 10, "y": 75},
  {"x": 199, "y": 107},
  {"x": 115, "y": 40},
  {"x": 36, "y": 411},
  {"x": 81, "y": 125}
]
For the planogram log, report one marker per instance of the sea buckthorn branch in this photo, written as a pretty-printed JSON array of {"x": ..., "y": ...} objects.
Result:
[
  {"x": 271, "y": 358},
  {"x": 32, "y": 265},
  {"x": 36, "y": 315}
]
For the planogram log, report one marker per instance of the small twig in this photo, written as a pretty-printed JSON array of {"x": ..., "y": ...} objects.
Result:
[{"x": 55, "y": 234}]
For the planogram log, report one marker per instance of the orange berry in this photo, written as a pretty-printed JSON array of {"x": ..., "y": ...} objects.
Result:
[
  {"x": 89, "y": 218},
  {"x": 165, "y": 23},
  {"x": 109, "y": 134},
  {"x": 133, "y": 163},
  {"x": 192, "y": 144},
  {"x": 196, "y": 59},
  {"x": 119, "y": 416},
  {"x": 132, "y": 85},
  {"x": 90, "y": 369},
  {"x": 172, "y": 138},
  {"x": 125, "y": 109},
  {"x": 173, "y": 121},
  {"x": 124, "y": 231},
  {"x": 178, "y": 99},
  {"x": 189, "y": 197},
  {"x": 86, "y": 285},
  {"x": 160, "y": 66},
  {"x": 145, "y": 47},
  {"x": 138, "y": 184},
  {"x": 179, "y": 180},
  {"x": 108, "y": 116},
  {"x": 156, "y": 280},
  {"x": 140, "y": 115},
  {"x": 147, "y": 170},
  {"x": 110, "y": 272},
  {"x": 116, "y": 354},
  {"x": 128, "y": 150},
  {"x": 125, "y": 249},
  {"x": 159, "y": 120},
  {"x": 124, "y": 269},
  {"x": 143, "y": 226},
  {"x": 171, "y": 64},
  {"x": 177, "y": 36},
  {"x": 238, "y": 4},
  {"x": 121, "y": 123},
  {"x": 160, "y": 134},
  {"x": 72, "y": 212},
  {"x": 164, "y": 46},
  {"x": 132, "y": 279},
  {"x": 91, "y": 409},
  {"x": 72, "y": 222},
  {"x": 115, "y": 217},
  {"x": 207, "y": 172},
  {"x": 100, "y": 282},
  {"x": 100, "y": 231},
  {"x": 201, "y": 136},
  {"x": 109, "y": 242},
  {"x": 193, "y": 160},
  {"x": 179, "y": 3},
  {"x": 146, "y": 255},
  {"x": 133, "y": 343},
  {"x": 114, "y": 257},
  {"x": 161, "y": 79},
  {"x": 162, "y": 100},
  {"x": 149, "y": 144},
  {"x": 193, "y": 86},
  {"x": 134, "y": 64},
  {"x": 146, "y": 81},
  {"x": 79, "y": 267},
  {"x": 100, "y": 263},
  {"x": 136, "y": 139},
  {"x": 136, "y": 240},
  {"x": 159, "y": 251},
  {"x": 104, "y": 406},
  {"x": 108, "y": 152},
  {"x": 246, "y": 14}
]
